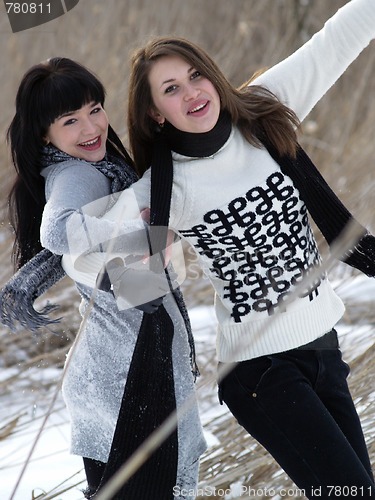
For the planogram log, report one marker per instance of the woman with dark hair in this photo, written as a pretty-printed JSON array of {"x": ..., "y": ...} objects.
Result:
[
  {"x": 241, "y": 188},
  {"x": 66, "y": 156},
  {"x": 47, "y": 91}
]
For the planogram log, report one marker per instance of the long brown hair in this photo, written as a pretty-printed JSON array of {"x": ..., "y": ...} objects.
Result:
[{"x": 255, "y": 110}]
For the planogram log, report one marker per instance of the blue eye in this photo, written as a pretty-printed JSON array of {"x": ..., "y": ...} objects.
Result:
[{"x": 194, "y": 75}]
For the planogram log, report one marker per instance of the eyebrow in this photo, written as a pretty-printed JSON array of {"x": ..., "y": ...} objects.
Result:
[
  {"x": 174, "y": 79},
  {"x": 70, "y": 113},
  {"x": 65, "y": 115}
]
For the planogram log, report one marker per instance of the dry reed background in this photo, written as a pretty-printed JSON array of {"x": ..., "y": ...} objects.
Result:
[{"x": 243, "y": 36}]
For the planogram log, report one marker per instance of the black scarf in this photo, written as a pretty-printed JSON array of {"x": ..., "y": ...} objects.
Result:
[
  {"x": 149, "y": 398},
  {"x": 328, "y": 212},
  {"x": 149, "y": 390},
  {"x": 149, "y": 395}
]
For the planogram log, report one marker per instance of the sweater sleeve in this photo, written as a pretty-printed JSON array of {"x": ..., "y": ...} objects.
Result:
[
  {"x": 119, "y": 230},
  {"x": 303, "y": 78},
  {"x": 131, "y": 201}
]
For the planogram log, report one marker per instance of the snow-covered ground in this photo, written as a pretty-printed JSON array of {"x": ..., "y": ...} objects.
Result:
[
  {"x": 51, "y": 463},
  {"x": 51, "y": 466}
]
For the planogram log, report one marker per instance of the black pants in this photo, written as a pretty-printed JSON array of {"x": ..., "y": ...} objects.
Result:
[{"x": 298, "y": 406}]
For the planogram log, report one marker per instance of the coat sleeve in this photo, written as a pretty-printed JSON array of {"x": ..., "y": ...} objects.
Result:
[
  {"x": 73, "y": 220},
  {"x": 69, "y": 186},
  {"x": 75, "y": 224}
]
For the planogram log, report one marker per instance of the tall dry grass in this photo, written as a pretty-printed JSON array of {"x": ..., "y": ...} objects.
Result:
[{"x": 242, "y": 36}]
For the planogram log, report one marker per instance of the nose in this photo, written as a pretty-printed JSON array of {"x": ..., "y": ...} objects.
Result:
[
  {"x": 191, "y": 92},
  {"x": 89, "y": 126}
]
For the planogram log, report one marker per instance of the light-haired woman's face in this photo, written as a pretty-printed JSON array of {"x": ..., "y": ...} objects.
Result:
[
  {"x": 182, "y": 96},
  {"x": 81, "y": 133}
]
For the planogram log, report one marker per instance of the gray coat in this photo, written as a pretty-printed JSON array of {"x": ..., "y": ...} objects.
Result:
[{"x": 100, "y": 358}]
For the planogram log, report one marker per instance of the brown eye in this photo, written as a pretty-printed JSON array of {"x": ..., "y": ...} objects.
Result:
[
  {"x": 171, "y": 88},
  {"x": 70, "y": 122}
]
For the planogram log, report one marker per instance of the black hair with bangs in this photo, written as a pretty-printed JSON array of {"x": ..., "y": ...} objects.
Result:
[
  {"x": 47, "y": 91},
  {"x": 60, "y": 86}
]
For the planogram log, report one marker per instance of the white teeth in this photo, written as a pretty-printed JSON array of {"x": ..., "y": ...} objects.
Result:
[
  {"x": 90, "y": 143},
  {"x": 197, "y": 108}
]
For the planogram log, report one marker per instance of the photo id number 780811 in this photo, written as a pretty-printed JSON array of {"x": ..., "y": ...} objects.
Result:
[
  {"x": 349, "y": 491},
  {"x": 28, "y": 8}
]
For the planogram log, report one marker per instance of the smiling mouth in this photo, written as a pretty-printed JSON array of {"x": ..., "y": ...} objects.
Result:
[
  {"x": 197, "y": 108},
  {"x": 91, "y": 143}
]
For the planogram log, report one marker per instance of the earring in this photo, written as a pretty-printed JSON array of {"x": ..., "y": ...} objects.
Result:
[{"x": 159, "y": 127}]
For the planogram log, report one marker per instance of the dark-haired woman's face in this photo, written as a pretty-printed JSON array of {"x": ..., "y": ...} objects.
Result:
[
  {"x": 182, "y": 96},
  {"x": 81, "y": 133}
]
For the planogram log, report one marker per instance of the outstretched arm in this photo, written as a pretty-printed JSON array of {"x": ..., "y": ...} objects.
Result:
[{"x": 302, "y": 79}]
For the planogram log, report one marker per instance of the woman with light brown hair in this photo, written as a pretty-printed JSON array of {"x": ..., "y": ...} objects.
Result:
[{"x": 236, "y": 185}]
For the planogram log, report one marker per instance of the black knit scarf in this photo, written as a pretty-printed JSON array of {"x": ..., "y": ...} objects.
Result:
[
  {"x": 156, "y": 478},
  {"x": 328, "y": 212},
  {"x": 149, "y": 398},
  {"x": 149, "y": 394}
]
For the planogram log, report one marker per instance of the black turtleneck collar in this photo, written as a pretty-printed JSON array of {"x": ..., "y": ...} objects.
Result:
[{"x": 200, "y": 144}]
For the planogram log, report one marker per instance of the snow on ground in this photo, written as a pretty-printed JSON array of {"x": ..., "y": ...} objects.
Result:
[
  {"x": 51, "y": 463},
  {"x": 356, "y": 338}
]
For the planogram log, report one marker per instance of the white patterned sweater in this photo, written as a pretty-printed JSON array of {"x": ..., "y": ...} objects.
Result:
[{"x": 246, "y": 220}]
